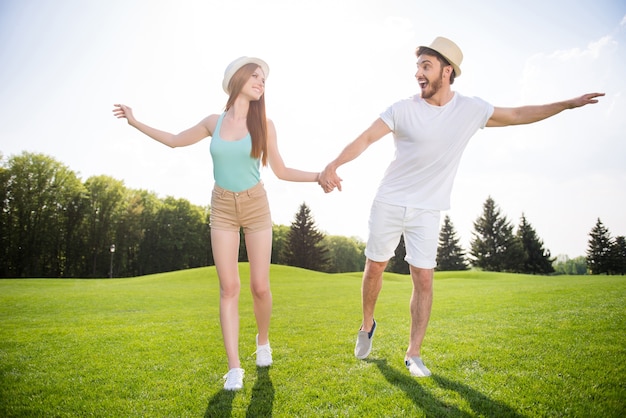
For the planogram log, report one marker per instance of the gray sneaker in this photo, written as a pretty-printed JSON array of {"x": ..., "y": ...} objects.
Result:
[
  {"x": 416, "y": 367},
  {"x": 364, "y": 343}
]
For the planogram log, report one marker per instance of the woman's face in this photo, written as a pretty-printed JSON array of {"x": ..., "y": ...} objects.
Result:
[{"x": 255, "y": 86}]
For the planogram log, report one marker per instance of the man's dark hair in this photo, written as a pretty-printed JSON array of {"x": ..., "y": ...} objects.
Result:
[{"x": 424, "y": 50}]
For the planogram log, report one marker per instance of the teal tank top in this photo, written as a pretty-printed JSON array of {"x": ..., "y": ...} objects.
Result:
[{"x": 233, "y": 167}]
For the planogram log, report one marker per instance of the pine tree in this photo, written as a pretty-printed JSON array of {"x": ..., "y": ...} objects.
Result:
[
  {"x": 304, "y": 247},
  {"x": 450, "y": 254},
  {"x": 494, "y": 247},
  {"x": 537, "y": 259},
  {"x": 618, "y": 256},
  {"x": 397, "y": 263},
  {"x": 598, "y": 249}
]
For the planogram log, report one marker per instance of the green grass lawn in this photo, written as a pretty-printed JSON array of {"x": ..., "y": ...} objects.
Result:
[{"x": 498, "y": 345}]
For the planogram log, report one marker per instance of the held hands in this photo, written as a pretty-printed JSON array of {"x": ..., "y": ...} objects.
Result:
[
  {"x": 122, "y": 111},
  {"x": 329, "y": 179}
]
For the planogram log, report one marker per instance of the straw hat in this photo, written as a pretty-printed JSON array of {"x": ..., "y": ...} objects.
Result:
[
  {"x": 237, "y": 64},
  {"x": 450, "y": 52}
]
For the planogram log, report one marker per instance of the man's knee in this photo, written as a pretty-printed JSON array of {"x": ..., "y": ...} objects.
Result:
[
  {"x": 374, "y": 268},
  {"x": 422, "y": 278}
]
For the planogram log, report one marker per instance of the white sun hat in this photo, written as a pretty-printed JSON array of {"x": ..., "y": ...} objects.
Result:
[{"x": 237, "y": 64}]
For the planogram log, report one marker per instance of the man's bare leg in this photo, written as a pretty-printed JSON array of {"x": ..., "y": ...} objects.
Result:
[
  {"x": 370, "y": 289},
  {"x": 421, "y": 306}
]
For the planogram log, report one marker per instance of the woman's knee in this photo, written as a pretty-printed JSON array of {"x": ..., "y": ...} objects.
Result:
[
  {"x": 260, "y": 289},
  {"x": 229, "y": 289}
]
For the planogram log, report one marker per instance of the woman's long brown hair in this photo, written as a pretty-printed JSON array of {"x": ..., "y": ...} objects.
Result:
[{"x": 256, "y": 120}]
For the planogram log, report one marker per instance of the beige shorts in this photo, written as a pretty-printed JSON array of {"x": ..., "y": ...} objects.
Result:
[{"x": 248, "y": 209}]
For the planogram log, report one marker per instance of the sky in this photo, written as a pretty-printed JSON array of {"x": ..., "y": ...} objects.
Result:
[{"x": 334, "y": 67}]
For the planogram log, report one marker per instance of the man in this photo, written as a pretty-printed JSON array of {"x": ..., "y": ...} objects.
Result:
[{"x": 430, "y": 131}]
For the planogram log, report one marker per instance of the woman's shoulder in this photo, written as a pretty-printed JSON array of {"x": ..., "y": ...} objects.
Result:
[
  {"x": 213, "y": 117},
  {"x": 210, "y": 122}
]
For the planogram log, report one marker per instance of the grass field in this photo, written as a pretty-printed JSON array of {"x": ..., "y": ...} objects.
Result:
[{"x": 498, "y": 345}]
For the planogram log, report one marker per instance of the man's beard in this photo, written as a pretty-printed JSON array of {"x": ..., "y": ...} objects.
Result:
[{"x": 433, "y": 86}]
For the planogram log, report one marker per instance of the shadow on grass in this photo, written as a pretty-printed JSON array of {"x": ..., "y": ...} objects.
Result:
[
  {"x": 221, "y": 404},
  {"x": 480, "y": 404},
  {"x": 261, "y": 403}
]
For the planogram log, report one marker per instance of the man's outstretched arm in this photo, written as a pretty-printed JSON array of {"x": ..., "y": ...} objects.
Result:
[
  {"x": 506, "y": 116},
  {"x": 329, "y": 178}
]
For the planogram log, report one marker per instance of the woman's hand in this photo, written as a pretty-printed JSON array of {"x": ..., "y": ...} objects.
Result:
[
  {"x": 328, "y": 180},
  {"x": 122, "y": 111}
]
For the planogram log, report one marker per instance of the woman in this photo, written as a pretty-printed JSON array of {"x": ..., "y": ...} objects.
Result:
[{"x": 242, "y": 139}]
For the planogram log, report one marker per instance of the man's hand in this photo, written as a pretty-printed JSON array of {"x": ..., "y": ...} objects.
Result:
[
  {"x": 585, "y": 99},
  {"x": 329, "y": 179}
]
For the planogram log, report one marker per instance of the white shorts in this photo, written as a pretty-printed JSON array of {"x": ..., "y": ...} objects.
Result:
[{"x": 419, "y": 226}]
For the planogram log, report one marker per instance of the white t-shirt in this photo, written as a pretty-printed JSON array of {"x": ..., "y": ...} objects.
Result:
[{"x": 429, "y": 142}]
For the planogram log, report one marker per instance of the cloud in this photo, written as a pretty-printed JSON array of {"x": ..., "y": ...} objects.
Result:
[
  {"x": 545, "y": 74},
  {"x": 593, "y": 50}
]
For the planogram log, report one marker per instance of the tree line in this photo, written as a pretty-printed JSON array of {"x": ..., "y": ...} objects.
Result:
[
  {"x": 495, "y": 247},
  {"x": 55, "y": 225}
]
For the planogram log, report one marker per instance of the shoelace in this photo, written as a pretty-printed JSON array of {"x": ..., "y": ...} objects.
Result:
[
  {"x": 262, "y": 349},
  {"x": 233, "y": 375}
]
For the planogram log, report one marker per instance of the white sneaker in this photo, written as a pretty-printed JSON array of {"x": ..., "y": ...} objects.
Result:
[
  {"x": 416, "y": 367},
  {"x": 234, "y": 379},
  {"x": 263, "y": 354}
]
